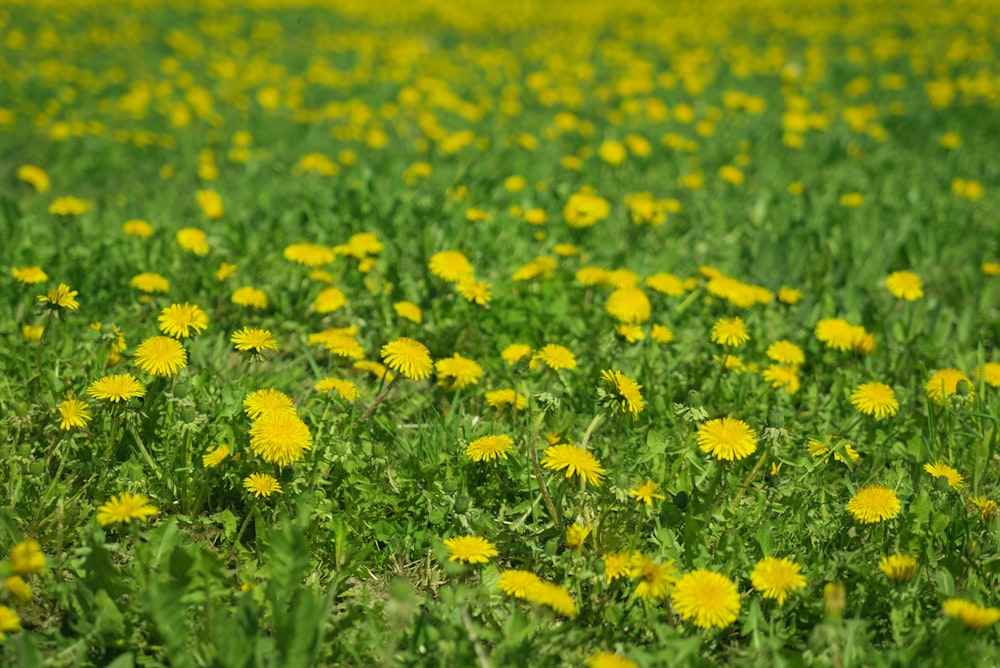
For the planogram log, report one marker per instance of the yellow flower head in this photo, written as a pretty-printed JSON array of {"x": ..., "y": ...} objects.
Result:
[
  {"x": 409, "y": 357},
  {"x": 706, "y": 597},
  {"x": 125, "y": 508},
  {"x": 727, "y": 439},
  {"x": 470, "y": 549},
  {"x": 874, "y": 503},
  {"x": 777, "y": 578},
  {"x": 576, "y": 461},
  {"x": 905, "y": 285}
]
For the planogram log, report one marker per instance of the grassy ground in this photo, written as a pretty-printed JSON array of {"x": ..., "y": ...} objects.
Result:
[{"x": 780, "y": 216}]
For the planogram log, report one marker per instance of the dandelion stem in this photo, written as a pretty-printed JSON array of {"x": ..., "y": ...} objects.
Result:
[
  {"x": 538, "y": 470},
  {"x": 765, "y": 456},
  {"x": 379, "y": 399},
  {"x": 590, "y": 429}
]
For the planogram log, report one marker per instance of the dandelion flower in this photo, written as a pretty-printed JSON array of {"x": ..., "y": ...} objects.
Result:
[
  {"x": 873, "y": 503},
  {"x": 515, "y": 352},
  {"x": 470, "y": 549},
  {"x": 329, "y": 300},
  {"x": 631, "y": 333},
  {"x": 609, "y": 660},
  {"x": 179, "y": 320},
  {"x": 498, "y": 399},
  {"x": 973, "y": 616},
  {"x": 161, "y": 356},
  {"x": 556, "y": 357},
  {"x": 628, "y": 305},
  {"x": 990, "y": 373},
  {"x": 617, "y": 565},
  {"x": 450, "y": 266},
  {"x": 409, "y": 311},
  {"x": 261, "y": 484},
  {"x": 10, "y": 622},
  {"x": 280, "y": 437},
  {"x": 339, "y": 342},
  {"x": 777, "y": 578},
  {"x": 667, "y": 284},
  {"x": 193, "y": 240},
  {"x": 591, "y": 276},
  {"x": 249, "y": 297},
  {"x": 212, "y": 459},
  {"x": 836, "y": 333},
  {"x": 905, "y": 285},
  {"x": 73, "y": 413},
  {"x": 116, "y": 388},
  {"x": 899, "y": 567},
  {"x": 266, "y": 399},
  {"x": 225, "y": 270},
  {"x": 818, "y": 449},
  {"x": 19, "y": 589},
  {"x": 125, "y": 508},
  {"x": 488, "y": 448},
  {"x": 461, "y": 370},
  {"x": 730, "y": 332},
  {"x": 646, "y": 492},
  {"x": 576, "y": 461},
  {"x": 375, "y": 368},
  {"x": 253, "y": 339},
  {"x": 29, "y": 275},
  {"x": 309, "y": 255},
  {"x": 782, "y": 376},
  {"x": 137, "y": 228},
  {"x": 875, "y": 399},
  {"x": 553, "y": 596},
  {"x": 790, "y": 296},
  {"x": 475, "y": 292},
  {"x": 69, "y": 206},
  {"x": 941, "y": 470},
  {"x": 34, "y": 175},
  {"x": 150, "y": 283},
  {"x": 31, "y": 332},
  {"x": 347, "y": 390},
  {"x": 655, "y": 580},
  {"x": 987, "y": 508},
  {"x": 576, "y": 533},
  {"x": 409, "y": 357},
  {"x": 210, "y": 203},
  {"x": 584, "y": 209},
  {"x": 661, "y": 334},
  {"x": 786, "y": 352},
  {"x": 944, "y": 383},
  {"x": 26, "y": 558},
  {"x": 516, "y": 583},
  {"x": 727, "y": 439},
  {"x": 61, "y": 297},
  {"x": 709, "y": 598}
]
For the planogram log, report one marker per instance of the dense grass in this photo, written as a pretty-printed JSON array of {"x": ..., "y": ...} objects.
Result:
[{"x": 817, "y": 148}]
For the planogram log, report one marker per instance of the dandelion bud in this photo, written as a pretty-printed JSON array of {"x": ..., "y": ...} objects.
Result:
[
  {"x": 461, "y": 503},
  {"x": 188, "y": 414},
  {"x": 834, "y": 599},
  {"x": 963, "y": 388},
  {"x": 694, "y": 399},
  {"x": 180, "y": 390},
  {"x": 21, "y": 409},
  {"x": 775, "y": 418}
]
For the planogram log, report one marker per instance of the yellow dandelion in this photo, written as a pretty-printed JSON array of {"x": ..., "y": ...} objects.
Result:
[
  {"x": 29, "y": 275},
  {"x": 193, "y": 240},
  {"x": 347, "y": 390},
  {"x": 609, "y": 660},
  {"x": 280, "y": 437},
  {"x": 706, "y": 597},
  {"x": 624, "y": 392},
  {"x": 836, "y": 333},
  {"x": 973, "y": 616},
  {"x": 34, "y": 175},
  {"x": 944, "y": 383},
  {"x": 556, "y": 357},
  {"x": 249, "y": 297},
  {"x": 125, "y": 508},
  {"x": 309, "y": 255},
  {"x": 161, "y": 356},
  {"x": 516, "y": 583},
  {"x": 655, "y": 580},
  {"x": 179, "y": 320},
  {"x": 628, "y": 305},
  {"x": 790, "y": 296},
  {"x": 488, "y": 448},
  {"x": 409, "y": 357},
  {"x": 26, "y": 558},
  {"x": 375, "y": 368},
  {"x": 941, "y": 470},
  {"x": 905, "y": 285},
  {"x": 730, "y": 332},
  {"x": 253, "y": 340},
  {"x": 461, "y": 370},
  {"x": 121, "y": 387},
  {"x": 266, "y": 399},
  {"x": 470, "y": 549},
  {"x": 875, "y": 399},
  {"x": 553, "y": 596},
  {"x": 137, "y": 228},
  {"x": 61, "y": 297},
  {"x": 987, "y": 508},
  {"x": 216, "y": 456},
  {"x": 786, "y": 352},
  {"x": 329, "y": 300},
  {"x": 576, "y": 533},
  {"x": 475, "y": 292},
  {"x": 261, "y": 484},
  {"x": 874, "y": 503},
  {"x": 646, "y": 492},
  {"x": 727, "y": 439},
  {"x": 782, "y": 376},
  {"x": 990, "y": 373},
  {"x": 499, "y": 399},
  {"x": 899, "y": 567},
  {"x": 515, "y": 352},
  {"x": 69, "y": 206},
  {"x": 667, "y": 284},
  {"x": 408, "y": 311},
  {"x": 150, "y": 283},
  {"x": 450, "y": 266},
  {"x": 661, "y": 334},
  {"x": 777, "y": 578},
  {"x": 617, "y": 565},
  {"x": 73, "y": 413},
  {"x": 576, "y": 461}
]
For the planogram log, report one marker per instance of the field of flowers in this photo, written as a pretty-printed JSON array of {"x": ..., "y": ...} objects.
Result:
[{"x": 472, "y": 333}]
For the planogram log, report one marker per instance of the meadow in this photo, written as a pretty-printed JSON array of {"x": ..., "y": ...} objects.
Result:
[{"x": 599, "y": 334}]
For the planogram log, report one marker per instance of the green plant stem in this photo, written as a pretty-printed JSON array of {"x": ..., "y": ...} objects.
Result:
[
  {"x": 538, "y": 470},
  {"x": 379, "y": 399},
  {"x": 765, "y": 456}
]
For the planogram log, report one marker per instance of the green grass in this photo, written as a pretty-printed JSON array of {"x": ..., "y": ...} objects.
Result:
[{"x": 347, "y": 565}]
